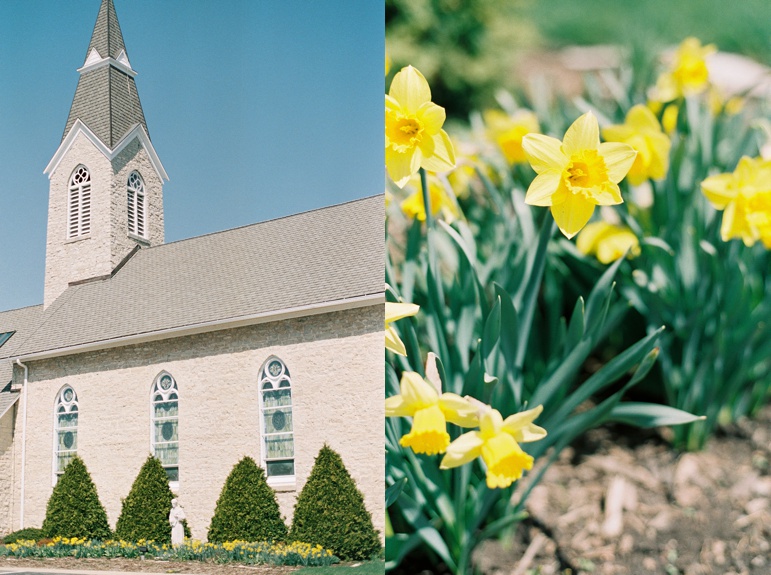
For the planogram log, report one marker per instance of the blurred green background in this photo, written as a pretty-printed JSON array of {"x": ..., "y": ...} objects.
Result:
[{"x": 469, "y": 48}]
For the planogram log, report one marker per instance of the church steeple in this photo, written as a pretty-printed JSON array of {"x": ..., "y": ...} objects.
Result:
[
  {"x": 106, "y": 99},
  {"x": 106, "y": 194}
]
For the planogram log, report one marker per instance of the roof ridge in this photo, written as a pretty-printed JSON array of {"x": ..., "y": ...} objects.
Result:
[
  {"x": 312, "y": 210},
  {"x": 20, "y": 308}
]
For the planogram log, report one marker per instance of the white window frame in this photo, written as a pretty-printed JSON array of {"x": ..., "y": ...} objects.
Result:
[
  {"x": 79, "y": 203},
  {"x": 70, "y": 406},
  {"x": 156, "y": 389},
  {"x": 136, "y": 199},
  {"x": 286, "y": 481}
]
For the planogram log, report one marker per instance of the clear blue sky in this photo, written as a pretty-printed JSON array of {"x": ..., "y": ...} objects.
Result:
[{"x": 257, "y": 109}]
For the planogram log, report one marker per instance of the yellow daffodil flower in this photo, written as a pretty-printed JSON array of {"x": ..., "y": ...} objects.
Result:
[
  {"x": 430, "y": 413},
  {"x": 688, "y": 73},
  {"x": 395, "y": 311},
  {"x": 413, "y": 133},
  {"x": 576, "y": 174},
  {"x": 642, "y": 131},
  {"x": 508, "y": 131},
  {"x": 497, "y": 443},
  {"x": 741, "y": 195},
  {"x": 441, "y": 200},
  {"x": 607, "y": 242},
  {"x": 759, "y": 216}
]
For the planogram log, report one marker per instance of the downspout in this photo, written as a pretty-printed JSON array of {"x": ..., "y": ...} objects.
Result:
[{"x": 23, "y": 442}]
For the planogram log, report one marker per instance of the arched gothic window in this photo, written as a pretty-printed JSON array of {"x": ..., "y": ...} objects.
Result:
[
  {"x": 79, "y": 203},
  {"x": 135, "y": 189},
  {"x": 65, "y": 429},
  {"x": 276, "y": 414},
  {"x": 164, "y": 438}
]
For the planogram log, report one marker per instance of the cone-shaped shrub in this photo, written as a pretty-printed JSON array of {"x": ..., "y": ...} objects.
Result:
[
  {"x": 74, "y": 509},
  {"x": 145, "y": 512},
  {"x": 247, "y": 508},
  {"x": 330, "y": 511}
]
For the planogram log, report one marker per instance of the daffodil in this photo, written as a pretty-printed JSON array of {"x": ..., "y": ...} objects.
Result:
[
  {"x": 497, "y": 443},
  {"x": 414, "y": 137},
  {"x": 741, "y": 197},
  {"x": 642, "y": 131},
  {"x": 688, "y": 73},
  {"x": 441, "y": 201},
  {"x": 576, "y": 174},
  {"x": 607, "y": 242},
  {"x": 430, "y": 411},
  {"x": 508, "y": 131},
  {"x": 395, "y": 311}
]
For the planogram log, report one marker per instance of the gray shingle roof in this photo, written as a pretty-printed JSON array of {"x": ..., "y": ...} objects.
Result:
[
  {"x": 7, "y": 397},
  {"x": 23, "y": 321},
  {"x": 107, "y": 38},
  {"x": 315, "y": 257},
  {"x": 106, "y": 99}
]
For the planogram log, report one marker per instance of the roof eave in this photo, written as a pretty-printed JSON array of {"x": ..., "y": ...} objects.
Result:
[{"x": 209, "y": 326}]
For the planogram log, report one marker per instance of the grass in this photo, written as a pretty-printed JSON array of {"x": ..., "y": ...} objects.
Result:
[
  {"x": 743, "y": 27},
  {"x": 366, "y": 568}
]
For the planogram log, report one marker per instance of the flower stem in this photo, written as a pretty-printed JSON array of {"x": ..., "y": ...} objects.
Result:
[{"x": 426, "y": 199}]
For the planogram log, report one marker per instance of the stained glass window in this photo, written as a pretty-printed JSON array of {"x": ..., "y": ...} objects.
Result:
[
  {"x": 165, "y": 427},
  {"x": 277, "y": 429},
  {"x": 65, "y": 429}
]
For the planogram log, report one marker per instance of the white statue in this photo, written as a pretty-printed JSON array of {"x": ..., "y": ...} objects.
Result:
[{"x": 176, "y": 516}]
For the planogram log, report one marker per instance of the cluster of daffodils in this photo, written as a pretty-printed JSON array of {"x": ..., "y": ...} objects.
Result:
[
  {"x": 496, "y": 441},
  {"x": 744, "y": 196},
  {"x": 296, "y": 553}
]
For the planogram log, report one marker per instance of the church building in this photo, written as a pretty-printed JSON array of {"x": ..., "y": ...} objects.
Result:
[{"x": 264, "y": 340}]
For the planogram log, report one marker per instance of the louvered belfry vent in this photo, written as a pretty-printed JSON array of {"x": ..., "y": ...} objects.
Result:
[{"x": 79, "y": 210}]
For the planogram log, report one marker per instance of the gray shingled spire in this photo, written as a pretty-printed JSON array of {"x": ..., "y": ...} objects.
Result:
[{"x": 106, "y": 98}]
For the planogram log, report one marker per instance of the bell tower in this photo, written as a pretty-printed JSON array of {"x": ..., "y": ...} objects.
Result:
[{"x": 106, "y": 181}]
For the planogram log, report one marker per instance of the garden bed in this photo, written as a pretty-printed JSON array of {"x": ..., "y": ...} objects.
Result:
[
  {"x": 143, "y": 566},
  {"x": 622, "y": 503}
]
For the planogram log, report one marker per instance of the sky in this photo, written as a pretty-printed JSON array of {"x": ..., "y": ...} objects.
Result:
[{"x": 257, "y": 109}]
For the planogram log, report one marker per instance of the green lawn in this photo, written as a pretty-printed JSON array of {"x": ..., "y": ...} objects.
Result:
[
  {"x": 366, "y": 568},
  {"x": 743, "y": 27}
]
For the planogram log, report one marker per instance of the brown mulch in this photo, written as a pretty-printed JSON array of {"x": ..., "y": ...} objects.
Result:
[
  {"x": 144, "y": 566},
  {"x": 624, "y": 503}
]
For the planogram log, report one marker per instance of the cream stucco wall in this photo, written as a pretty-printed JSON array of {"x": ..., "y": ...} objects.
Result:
[
  {"x": 336, "y": 364},
  {"x": 6, "y": 469}
]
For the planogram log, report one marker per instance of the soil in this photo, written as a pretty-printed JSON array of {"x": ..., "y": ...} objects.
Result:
[{"x": 624, "y": 503}]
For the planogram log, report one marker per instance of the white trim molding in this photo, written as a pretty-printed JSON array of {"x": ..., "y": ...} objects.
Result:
[
  {"x": 79, "y": 127},
  {"x": 94, "y": 62}
]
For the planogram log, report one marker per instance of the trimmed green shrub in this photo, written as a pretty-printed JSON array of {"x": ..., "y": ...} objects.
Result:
[
  {"x": 145, "y": 511},
  {"x": 247, "y": 508},
  {"x": 330, "y": 511},
  {"x": 74, "y": 509},
  {"x": 26, "y": 534}
]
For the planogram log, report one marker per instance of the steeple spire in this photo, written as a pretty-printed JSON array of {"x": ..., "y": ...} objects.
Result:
[
  {"x": 106, "y": 99},
  {"x": 107, "y": 39}
]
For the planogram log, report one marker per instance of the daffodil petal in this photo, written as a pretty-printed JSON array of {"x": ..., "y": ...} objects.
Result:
[
  {"x": 718, "y": 190},
  {"x": 393, "y": 343},
  {"x": 395, "y": 406},
  {"x": 617, "y": 133},
  {"x": 659, "y": 164},
  {"x": 431, "y": 116},
  {"x": 463, "y": 450},
  {"x": 583, "y": 134},
  {"x": 458, "y": 410},
  {"x": 572, "y": 214},
  {"x": 607, "y": 195},
  {"x": 641, "y": 119},
  {"x": 401, "y": 165},
  {"x": 398, "y": 310},
  {"x": 417, "y": 391},
  {"x": 443, "y": 156},
  {"x": 410, "y": 88},
  {"x": 544, "y": 153},
  {"x": 530, "y": 433},
  {"x": 618, "y": 159},
  {"x": 522, "y": 418},
  {"x": 587, "y": 240},
  {"x": 542, "y": 189}
]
